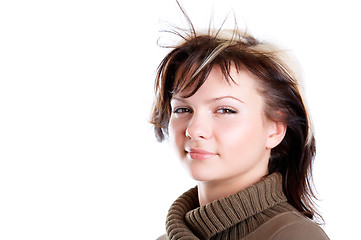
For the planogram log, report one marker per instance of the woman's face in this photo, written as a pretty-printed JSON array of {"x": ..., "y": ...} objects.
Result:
[{"x": 220, "y": 132}]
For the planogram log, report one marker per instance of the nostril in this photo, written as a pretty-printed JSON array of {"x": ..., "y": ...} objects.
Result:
[
  {"x": 197, "y": 133},
  {"x": 198, "y": 127},
  {"x": 187, "y": 134}
]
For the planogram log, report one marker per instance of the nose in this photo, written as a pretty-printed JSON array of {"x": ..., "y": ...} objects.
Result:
[{"x": 198, "y": 128}]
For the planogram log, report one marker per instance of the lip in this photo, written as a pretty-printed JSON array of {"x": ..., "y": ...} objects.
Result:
[{"x": 199, "y": 154}]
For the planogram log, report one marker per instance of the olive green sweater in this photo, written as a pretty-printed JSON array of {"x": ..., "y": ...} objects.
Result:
[{"x": 260, "y": 211}]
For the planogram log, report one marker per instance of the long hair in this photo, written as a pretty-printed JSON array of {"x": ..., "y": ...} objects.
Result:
[{"x": 185, "y": 68}]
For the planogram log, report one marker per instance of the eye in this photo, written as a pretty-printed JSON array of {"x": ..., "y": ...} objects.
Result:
[
  {"x": 181, "y": 110},
  {"x": 226, "y": 111}
]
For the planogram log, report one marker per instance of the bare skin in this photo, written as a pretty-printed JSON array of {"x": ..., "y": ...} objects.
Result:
[{"x": 222, "y": 136}]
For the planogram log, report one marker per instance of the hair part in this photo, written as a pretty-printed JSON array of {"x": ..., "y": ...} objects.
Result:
[{"x": 186, "y": 68}]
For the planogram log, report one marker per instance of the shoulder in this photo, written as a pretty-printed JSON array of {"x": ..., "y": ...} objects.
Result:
[
  {"x": 288, "y": 226},
  {"x": 299, "y": 227}
]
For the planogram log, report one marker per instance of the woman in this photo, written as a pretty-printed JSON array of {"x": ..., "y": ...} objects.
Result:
[{"x": 233, "y": 110}]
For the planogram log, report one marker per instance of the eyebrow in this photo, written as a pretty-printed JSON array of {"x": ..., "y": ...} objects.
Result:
[
  {"x": 223, "y": 97},
  {"x": 210, "y": 100}
]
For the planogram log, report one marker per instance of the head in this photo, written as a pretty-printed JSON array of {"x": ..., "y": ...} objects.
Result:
[{"x": 205, "y": 67}]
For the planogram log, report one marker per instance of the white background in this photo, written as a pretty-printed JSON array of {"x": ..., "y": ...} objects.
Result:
[{"x": 78, "y": 159}]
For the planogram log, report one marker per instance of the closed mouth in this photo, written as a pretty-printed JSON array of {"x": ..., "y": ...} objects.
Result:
[{"x": 200, "y": 154}]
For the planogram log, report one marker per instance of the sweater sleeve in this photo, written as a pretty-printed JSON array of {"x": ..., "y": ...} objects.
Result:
[{"x": 301, "y": 230}]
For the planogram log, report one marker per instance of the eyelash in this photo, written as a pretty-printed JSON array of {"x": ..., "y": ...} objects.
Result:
[
  {"x": 182, "y": 110},
  {"x": 226, "y": 111}
]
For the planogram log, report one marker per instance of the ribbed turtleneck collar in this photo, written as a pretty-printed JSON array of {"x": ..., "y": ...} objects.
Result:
[{"x": 186, "y": 220}]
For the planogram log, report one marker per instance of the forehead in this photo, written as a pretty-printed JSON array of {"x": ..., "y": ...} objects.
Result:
[{"x": 216, "y": 83}]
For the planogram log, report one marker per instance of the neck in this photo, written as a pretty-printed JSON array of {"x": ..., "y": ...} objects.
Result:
[{"x": 209, "y": 191}]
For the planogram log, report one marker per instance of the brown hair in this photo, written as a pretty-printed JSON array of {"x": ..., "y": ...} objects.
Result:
[{"x": 186, "y": 68}]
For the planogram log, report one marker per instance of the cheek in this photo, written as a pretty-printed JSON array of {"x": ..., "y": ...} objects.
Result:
[
  {"x": 241, "y": 138},
  {"x": 232, "y": 134},
  {"x": 176, "y": 133}
]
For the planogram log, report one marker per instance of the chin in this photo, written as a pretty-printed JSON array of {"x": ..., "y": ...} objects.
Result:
[{"x": 201, "y": 175}]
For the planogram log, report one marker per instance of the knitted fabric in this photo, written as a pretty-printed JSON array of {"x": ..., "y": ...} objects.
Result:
[{"x": 233, "y": 217}]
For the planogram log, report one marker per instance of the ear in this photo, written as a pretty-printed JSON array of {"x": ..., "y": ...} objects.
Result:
[{"x": 277, "y": 131}]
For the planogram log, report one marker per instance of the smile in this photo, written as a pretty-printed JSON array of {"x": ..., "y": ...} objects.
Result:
[{"x": 199, "y": 154}]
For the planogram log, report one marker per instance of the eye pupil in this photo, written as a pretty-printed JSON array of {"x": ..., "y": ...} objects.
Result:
[
  {"x": 226, "y": 111},
  {"x": 181, "y": 110}
]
